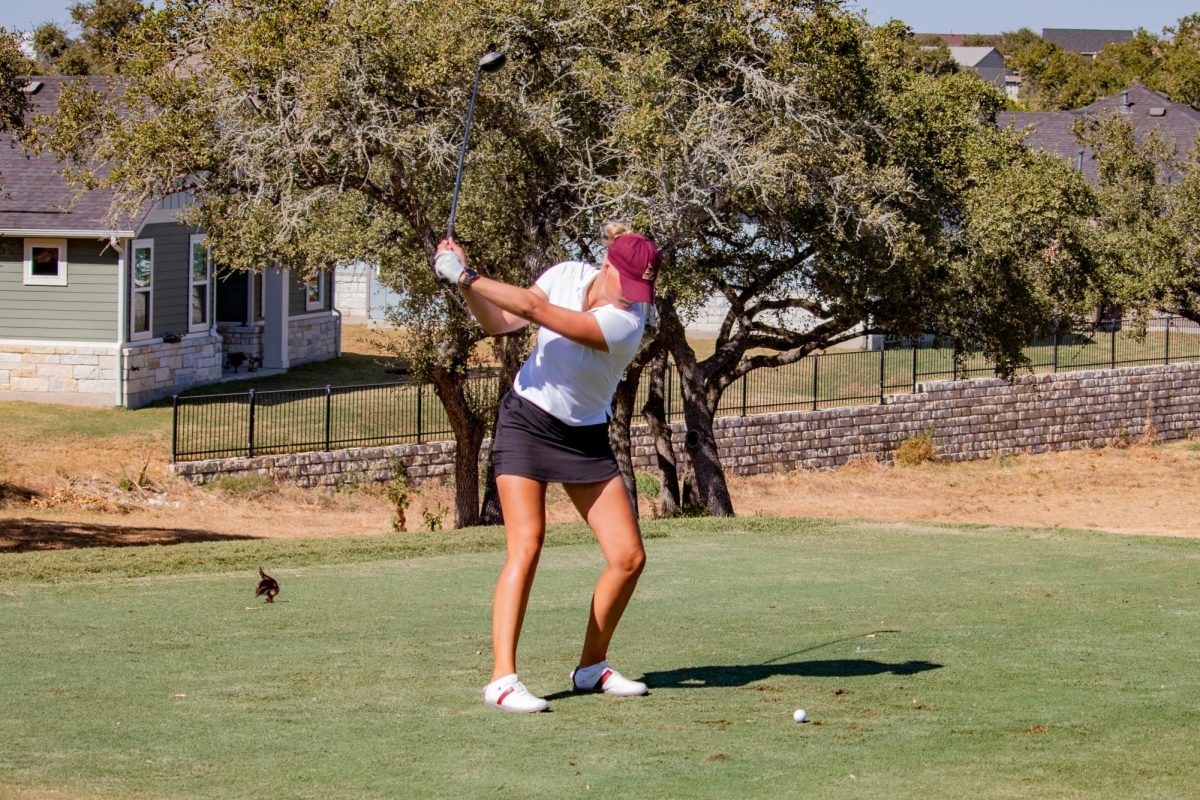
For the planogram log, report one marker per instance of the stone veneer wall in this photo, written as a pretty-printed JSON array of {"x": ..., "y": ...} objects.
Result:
[
  {"x": 160, "y": 369},
  {"x": 354, "y": 294},
  {"x": 54, "y": 368},
  {"x": 242, "y": 339},
  {"x": 969, "y": 419},
  {"x": 312, "y": 338}
]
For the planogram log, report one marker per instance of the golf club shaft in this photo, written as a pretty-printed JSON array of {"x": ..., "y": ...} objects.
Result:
[{"x": 462, "y": 156}]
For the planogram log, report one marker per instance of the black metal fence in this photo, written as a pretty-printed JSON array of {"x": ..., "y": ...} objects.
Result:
[{"x": 332, "y": 417}]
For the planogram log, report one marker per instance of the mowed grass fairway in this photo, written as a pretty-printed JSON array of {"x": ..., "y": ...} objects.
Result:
[{"x": 936, "y": 662}]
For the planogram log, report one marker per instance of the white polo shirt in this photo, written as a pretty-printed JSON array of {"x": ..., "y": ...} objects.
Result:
[{"x": 569, "y": 381}]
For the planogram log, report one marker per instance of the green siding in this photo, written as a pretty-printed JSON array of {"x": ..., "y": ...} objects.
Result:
[
  {"x": 171, "y": 272},
  {"x": 85, "y": 310}
]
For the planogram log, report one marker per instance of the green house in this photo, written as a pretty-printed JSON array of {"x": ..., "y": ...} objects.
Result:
[{"x": 97, "y": 314}]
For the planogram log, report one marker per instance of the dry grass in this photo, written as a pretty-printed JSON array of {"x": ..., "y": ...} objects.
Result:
[{"x": 1137, "y": 489}]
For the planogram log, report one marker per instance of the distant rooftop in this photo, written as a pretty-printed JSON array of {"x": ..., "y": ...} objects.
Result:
[
  {"x": 1083, "y": 40},
  {"x": 35, "y": 195},
  {"x": 971, "y": 56},
  {"x": 1177, "y": 123}
]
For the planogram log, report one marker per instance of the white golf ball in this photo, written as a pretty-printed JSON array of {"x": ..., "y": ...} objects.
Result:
[{"x": 800, "y": 715}]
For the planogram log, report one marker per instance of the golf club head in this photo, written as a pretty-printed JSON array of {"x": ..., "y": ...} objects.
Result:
[{"x": 492, "y": 61}]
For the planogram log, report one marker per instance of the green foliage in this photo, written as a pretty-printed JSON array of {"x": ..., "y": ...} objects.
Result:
[
  {"x": 1146, "y": 227},
  {"x": 49, "y": 42},
  {"x": 13, "y": 67},
  {"x": 1055, "y": 79},
  {"x": 647, "y": 485},
  {"x": 787, "y": 156},
  {"x": 434, "y": 518},
  {"x": 397, "y": 493},
  {"x": 104, "y": 25}
]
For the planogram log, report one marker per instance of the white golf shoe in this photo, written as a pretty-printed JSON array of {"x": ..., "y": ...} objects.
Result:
[
  {"x": 603, "y": 678},
  {"x": 507, "y": 693}
]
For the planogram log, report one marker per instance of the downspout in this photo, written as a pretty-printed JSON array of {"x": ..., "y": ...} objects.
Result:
[
  {"x": 336, "y": 312},
  {"x": 122, "y": 314}
]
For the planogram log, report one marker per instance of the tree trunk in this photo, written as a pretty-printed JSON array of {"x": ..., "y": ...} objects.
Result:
[
  {"x": 619, "y": 426},
  {"x": 655, "y": 413},
  {"x": 712, "y": 493},
  {"x": 468, "y": 437}
]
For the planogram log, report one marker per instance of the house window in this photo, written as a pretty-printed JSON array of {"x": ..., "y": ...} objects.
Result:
[
  {"x": 314, "y": 293},
  {"x": 141, "y": 268},
  {"x": 45, "y": 262},
  {"x": 200, "y": 280}
]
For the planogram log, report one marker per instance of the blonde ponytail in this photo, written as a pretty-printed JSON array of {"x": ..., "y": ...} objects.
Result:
[{"x": 614, "y": 229}]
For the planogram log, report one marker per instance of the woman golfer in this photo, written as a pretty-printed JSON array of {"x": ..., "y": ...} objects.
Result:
[{"x": 553, "y": 428}]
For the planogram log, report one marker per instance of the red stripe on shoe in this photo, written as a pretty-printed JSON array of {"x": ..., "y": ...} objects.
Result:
[
  {"x": 504, "y": 694},
  {"x": 604, "y": 676}
]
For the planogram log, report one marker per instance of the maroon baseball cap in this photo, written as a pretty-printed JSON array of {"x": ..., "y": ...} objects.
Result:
[{"x": 636, "y": 259}]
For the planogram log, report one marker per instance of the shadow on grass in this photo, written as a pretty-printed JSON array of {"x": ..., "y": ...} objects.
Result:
[
  {"x": 29, "y": 535},
  {"x": 724, "y": 676},
  {"x": 733, "y": 675}
]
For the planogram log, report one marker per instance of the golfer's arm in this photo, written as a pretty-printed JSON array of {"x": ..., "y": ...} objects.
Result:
[
  {"x": 494, "y": 319},
  {"x": 519, "y": 307}
]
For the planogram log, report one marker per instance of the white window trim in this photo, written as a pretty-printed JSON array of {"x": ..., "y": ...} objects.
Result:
[
  {"x": 193, "y": 326},
  {"x": 42, "y": 280},
  {"x": 319, "y": 304},
  {"x": 135, "y": 336}
]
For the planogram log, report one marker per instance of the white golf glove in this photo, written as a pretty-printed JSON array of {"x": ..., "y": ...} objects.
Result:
[{"x": 449, "y": 267}]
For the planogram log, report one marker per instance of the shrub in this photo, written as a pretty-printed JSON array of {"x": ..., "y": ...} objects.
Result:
[
  {"x": 647, "y": 485},
  {"x": 434, "y": 517},
  {"x": 397, "y": 493},
  {"x": 916, "y": 449}
]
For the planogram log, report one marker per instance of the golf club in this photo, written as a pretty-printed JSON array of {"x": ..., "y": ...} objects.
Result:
[{"x": 490, "y": 62}]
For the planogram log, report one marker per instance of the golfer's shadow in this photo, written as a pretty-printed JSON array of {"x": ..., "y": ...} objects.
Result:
[
  {"x": 724, "y": 676},
  {"x": 732, "y": 675}
]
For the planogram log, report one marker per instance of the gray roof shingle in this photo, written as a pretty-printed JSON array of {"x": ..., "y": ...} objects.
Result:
[
  {"x": 1082, "y": 40},
  {"x": 1177, "y": 123},
  {"x": 34, "y": 195}
]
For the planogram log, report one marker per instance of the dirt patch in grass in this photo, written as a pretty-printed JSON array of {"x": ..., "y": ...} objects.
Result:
[
  {"x": 112, "y": 498},
  {"x": 1141, "y": 489}
]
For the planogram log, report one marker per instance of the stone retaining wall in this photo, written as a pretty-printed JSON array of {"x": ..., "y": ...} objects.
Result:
[{"x": 969, "y": 419}]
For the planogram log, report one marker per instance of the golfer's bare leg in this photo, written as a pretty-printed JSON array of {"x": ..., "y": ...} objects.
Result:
[
  {"x": 608, "y": 512},
  {"x": 523, "y": 502}
]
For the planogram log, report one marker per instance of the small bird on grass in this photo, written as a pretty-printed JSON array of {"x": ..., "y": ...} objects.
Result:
[{"x": 268, "y": 586}]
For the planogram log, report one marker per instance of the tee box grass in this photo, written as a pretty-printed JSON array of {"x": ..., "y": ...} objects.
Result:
[{"x": 934, "y": 662}]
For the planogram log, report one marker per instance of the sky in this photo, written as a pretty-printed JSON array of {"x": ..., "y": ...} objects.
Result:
[
  {"x": 945, "y": 16},
  {"x": 925, "y": 16}
]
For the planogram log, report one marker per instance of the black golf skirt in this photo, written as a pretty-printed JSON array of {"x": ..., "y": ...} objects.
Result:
[{"x": 532, "y": 443}]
